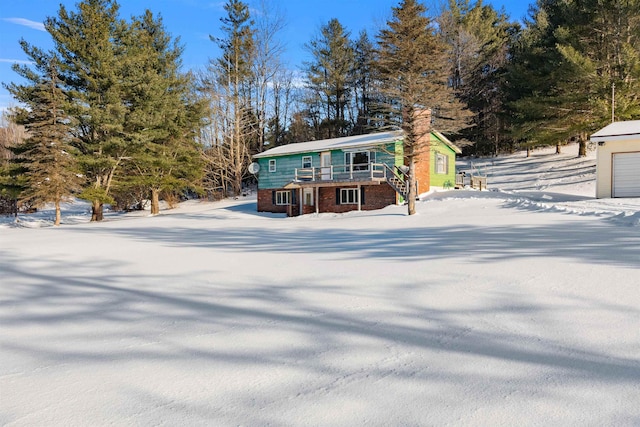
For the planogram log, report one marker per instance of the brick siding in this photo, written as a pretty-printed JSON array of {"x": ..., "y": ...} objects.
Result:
[{"x": 375, "y": 197}]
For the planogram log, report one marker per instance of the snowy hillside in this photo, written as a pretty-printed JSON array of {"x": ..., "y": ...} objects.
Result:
[
  {"x": 561, "y": 182},
  {"x": 515, "y": 306}
]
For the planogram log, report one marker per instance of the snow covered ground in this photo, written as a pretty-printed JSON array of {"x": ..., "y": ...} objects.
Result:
[{"x": 516, "y": 306}]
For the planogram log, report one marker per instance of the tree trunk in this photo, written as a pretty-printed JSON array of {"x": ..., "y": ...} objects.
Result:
[
  {"x": 97, "y": 213},
  {"x": 57, "y": 221},
  {"x": 582, "y": 146},
  {"x": 155, "y": 201},
  {"x": 558, "y": 148},
  {"x": 411, "y": 193},
  {"x": 237, "y": 184},
  {"x": 528, "y": 151}
]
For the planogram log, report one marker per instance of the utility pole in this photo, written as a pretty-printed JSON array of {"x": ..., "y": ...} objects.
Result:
[{"x": 613, "y": 102}]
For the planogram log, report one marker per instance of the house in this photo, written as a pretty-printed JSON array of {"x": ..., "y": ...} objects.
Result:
[
  {"x": 618, "y": 160},
  {"x": 362, "y": 172}
]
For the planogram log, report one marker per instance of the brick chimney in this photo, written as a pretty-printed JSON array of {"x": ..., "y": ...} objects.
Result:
[{"x": 423, "y": 160}]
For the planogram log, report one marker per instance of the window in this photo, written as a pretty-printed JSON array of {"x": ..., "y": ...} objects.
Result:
[
  {"x": 283, "y": 198},
  {"x": 307, "y": 196},
  {"x": 442, "y": 164},
  {"x": 306, "y": 162},
  {"x": 360, "y": 159},
  {"x": 348, "y": 196},
  {"x": 272, "y": 165}
]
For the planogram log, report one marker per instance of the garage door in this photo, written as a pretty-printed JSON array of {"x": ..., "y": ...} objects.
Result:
[{"x": 626, "y": 175}]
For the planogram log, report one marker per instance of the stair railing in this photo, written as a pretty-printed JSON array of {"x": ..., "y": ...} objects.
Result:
[{"x": 396, "y": 177}]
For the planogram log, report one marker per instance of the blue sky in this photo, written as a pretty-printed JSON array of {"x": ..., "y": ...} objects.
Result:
[{"x": 194, "y": 20}]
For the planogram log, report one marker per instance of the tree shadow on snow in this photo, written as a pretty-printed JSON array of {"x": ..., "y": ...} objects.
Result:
[
  {"x": 115, "y": 306},
  {"x": 69, "y": 315},
  {"x": 593, "y": 242}
]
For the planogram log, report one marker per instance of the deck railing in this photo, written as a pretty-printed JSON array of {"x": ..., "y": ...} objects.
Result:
[
  {"x": 351, "y": 172},
  {"x": 474, "y": 181}
]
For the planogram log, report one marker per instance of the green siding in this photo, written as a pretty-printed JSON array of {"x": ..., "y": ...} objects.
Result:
[
  {"x": 391, "y": 154},
  {"x": 443, "y": 180},
  {"x": 387, "y": 154},
  {"x": 285, "y": 169},
  {"x": 287, "y": 164},
  {"x": 399, "y": 154}
]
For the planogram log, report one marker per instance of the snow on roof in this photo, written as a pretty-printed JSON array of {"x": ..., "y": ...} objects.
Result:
[
  {"x": 444, "y": 139},
  {"x": 345, "y": 143},
  {"x": 618, "y": 131},
  {"x": 333, "y": 144}
]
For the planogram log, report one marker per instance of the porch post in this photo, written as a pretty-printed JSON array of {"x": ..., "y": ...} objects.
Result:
[
  {"x": 317, "y": 201},
  {"x": 359, "y": 193}
]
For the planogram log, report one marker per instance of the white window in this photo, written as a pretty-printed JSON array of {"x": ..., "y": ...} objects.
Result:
[
  {"x": 349, "y": 196},
  {"x": 360, "y": 159},
  {"x": 307, "y": 196},
  {"x": 442, "y": 164},
  {"x": 283, "y": 198},
  {"x": 272, "y": 165},
  {"x": 306, "y": 162}
]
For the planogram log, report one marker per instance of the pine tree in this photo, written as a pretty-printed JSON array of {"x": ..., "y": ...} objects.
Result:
[
  {"x": 329, "y": 77},
  {"x": 89, "y": 44},
  {"x": 162, "y": 121},
  {"x": 364, "y": 84},
  {"x": 413, "y": 70},
  {"x": 46, "y": 158},
  {"x": 12, "y": 180},
  {"x": 564, "y": 66},
  {"x": 600, "y": 47},
  {"x": 478, "y": 39}
]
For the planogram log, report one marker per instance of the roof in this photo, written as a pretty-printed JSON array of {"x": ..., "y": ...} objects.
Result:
[
  {"x": 347, "y": 142},
  {"x": 444, "y": 139},
  {"x": 332, "y": 144},
  {"x": 618, "y": 131}
]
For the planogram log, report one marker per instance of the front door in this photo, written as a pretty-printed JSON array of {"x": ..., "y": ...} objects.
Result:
[{"x": 325, "y": 165}]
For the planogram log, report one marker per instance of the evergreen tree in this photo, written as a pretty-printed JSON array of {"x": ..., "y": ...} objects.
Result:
[
  {"x": 329, "y": 77},
  {"x": 478, "y": 40},
  {"x": 299, "y": 129},
  {"x": 12, "y": 180},
  {"x": 89, "y": 43},
  {"x": 600, "y": 47},
  {"x": 46, "y": 158},
  {"x": 162, "y": 120},
  {"x": 364, "y": 84},
  {"x": 413, "y": 70},
  {"x": 570, "y": 55}
]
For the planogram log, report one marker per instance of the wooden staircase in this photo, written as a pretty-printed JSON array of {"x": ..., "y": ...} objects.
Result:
[{"x": 397, "y": 180}]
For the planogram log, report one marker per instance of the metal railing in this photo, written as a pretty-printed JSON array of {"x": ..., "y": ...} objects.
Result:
[{"x": 351, "y": 172}]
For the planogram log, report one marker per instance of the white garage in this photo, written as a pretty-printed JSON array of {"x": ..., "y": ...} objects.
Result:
[{"x": 618, "y": 160}]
